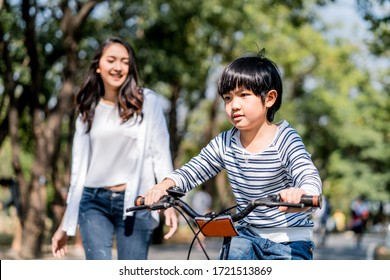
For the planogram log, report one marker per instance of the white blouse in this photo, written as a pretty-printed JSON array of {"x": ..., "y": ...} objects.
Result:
[{"x": 114, "y": 150}]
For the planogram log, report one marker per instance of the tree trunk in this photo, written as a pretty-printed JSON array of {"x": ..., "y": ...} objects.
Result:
[
  {"x": 13, "y": 118},
  {"x": 174, "y": 135},
  {"x": 34, "y": 222},
  {"x": 46, "y": 131}
]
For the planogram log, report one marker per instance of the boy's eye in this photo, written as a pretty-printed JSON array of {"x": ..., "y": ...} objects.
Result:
[
  {"x": 226, "y": 97},
  {"x": 244, "y": 94}
]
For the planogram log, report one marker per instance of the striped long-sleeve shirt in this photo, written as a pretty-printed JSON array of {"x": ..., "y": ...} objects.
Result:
[{"x": 285, "y": 163}]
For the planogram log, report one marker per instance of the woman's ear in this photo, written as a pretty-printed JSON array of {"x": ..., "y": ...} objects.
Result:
[{"x": 271, "y": 98}]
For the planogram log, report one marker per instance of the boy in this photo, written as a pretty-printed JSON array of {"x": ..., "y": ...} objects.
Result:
[{"x": 261, "y": 158}]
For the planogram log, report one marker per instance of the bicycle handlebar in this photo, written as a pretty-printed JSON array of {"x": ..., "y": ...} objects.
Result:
[
  {"x": 174, "y": 194},
  {"x": 218, "y": 225},
  {"x": 274, "y": 201}
]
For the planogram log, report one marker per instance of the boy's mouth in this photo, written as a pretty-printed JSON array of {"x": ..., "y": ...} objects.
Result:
[{"x": 236, "y": 116}]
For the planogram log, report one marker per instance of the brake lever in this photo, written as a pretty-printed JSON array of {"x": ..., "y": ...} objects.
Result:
[{"x": 164, "y": 203}]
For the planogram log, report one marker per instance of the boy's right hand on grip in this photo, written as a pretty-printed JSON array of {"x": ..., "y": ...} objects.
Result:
[{"x": 158, "y": 191}]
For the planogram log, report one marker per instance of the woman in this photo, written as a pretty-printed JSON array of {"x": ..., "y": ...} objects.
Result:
[{"x": 120, "y": 148}]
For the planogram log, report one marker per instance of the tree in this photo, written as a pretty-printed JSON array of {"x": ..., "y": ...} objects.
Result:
[
  {"x": 375, "y": 12},
  {"x": 30, "y": 101},
  {"x": 181, "y": 48}
]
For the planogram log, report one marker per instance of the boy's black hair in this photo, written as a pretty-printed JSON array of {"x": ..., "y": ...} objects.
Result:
[{"x": 256, "y": 73}]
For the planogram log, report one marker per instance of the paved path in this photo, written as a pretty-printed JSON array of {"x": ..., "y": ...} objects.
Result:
[{"x": 337, "y": 247}]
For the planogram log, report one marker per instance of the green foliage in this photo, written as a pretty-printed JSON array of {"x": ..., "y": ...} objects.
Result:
[
  {"x": 6, "y": 170},
  {"x": 340, "y": 109}
]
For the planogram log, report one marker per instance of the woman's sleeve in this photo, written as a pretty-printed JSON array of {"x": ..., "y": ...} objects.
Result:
[
  {"x": 79, "y": 166},
  {"x": 77, "y": 156},
  {"x": 161, "y": 153}
]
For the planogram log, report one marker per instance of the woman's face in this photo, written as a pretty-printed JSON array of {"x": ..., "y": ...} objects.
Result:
[{"x": 114, "y": 67}]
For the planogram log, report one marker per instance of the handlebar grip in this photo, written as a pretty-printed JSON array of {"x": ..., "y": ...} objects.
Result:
[
  {"x": 312, "y": 200},
  {"x": 139, "y": 201}
]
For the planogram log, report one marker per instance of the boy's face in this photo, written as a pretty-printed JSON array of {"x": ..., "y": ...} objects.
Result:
[{"x": 245, "y": 109}]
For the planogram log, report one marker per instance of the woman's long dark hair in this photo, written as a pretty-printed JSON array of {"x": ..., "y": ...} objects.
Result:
[{"x": 130, "y": 96}]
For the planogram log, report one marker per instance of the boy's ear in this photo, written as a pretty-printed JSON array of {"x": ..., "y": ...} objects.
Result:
[{"x": 271, "y": 98}]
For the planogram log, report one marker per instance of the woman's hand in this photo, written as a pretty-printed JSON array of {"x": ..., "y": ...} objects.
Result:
[
  {"x": 171, "y": 221},
  {"x": 58, "y": 243}
]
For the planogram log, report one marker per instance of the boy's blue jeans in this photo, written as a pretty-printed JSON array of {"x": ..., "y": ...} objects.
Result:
[
  {"x": 249, "y": 246},
  {"x": 101, "y": 218}
]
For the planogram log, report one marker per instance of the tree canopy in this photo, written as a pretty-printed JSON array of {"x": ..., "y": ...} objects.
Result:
[{"x": 339, "y": 106}]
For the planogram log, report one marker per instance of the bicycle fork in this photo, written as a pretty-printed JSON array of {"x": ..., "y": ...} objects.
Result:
[{"x": 225, "y": 247}]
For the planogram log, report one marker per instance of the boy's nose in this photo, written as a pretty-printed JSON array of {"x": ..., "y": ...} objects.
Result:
[{"x": 236, "y": 104}]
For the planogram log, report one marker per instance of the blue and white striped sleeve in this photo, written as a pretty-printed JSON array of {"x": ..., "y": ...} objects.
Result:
[
  {"x": 299, "y": 164},
  {"x": 207, "y": 164}
]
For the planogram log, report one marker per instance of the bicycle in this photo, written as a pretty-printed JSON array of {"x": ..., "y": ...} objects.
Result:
[{"x": 218, "y": 225}]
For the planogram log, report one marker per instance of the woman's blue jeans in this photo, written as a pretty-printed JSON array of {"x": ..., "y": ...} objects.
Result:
[
  {"x": 249, "y": 246},
  {"x": 101, "y": 218}
]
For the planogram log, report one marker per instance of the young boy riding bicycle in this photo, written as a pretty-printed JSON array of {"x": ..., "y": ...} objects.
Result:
[{"x": 261, "y": 158}]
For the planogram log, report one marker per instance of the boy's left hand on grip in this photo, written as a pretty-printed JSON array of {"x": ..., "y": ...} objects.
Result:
[
  {"x": 312, "y": 200},
  {"x": 298, "y": 195}
]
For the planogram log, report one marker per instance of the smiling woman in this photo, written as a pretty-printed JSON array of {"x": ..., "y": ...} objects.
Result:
[
  {"x": 113, "y": 75},
  {"x": 120, "y": 147}
]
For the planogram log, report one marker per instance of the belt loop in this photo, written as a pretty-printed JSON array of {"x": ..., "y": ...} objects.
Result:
[
  {"x": 91, "y": 191},
  {"x": 95, "y": 192}
]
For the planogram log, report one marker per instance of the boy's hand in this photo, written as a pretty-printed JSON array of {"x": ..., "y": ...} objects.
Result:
[
  {"x": 154, "y": 195},
  {"x": 158, "y": 191},
  {"x": 291, "y": 195}
]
